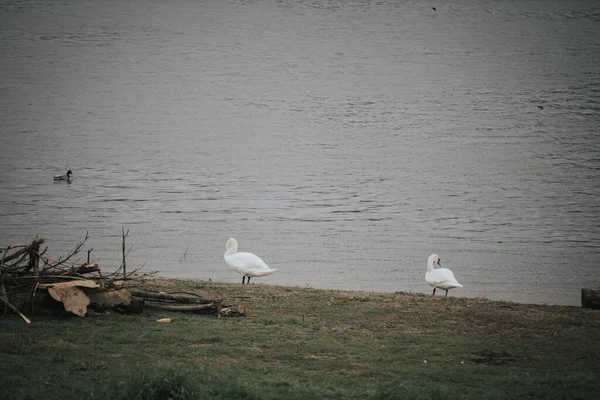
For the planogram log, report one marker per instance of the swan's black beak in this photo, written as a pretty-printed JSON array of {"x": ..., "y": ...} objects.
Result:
[{"x": 439, "y": 262}]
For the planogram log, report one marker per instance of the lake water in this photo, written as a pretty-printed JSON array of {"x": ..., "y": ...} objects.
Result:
[{"x": 342, "y": 141}]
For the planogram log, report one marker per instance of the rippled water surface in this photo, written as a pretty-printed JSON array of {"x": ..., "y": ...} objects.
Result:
[{"x": 342, "y": 141}]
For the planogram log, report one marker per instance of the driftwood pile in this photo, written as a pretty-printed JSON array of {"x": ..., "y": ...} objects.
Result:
[
  {"x": 30, "y": 281},
  {"x": 29, "y": 278}
]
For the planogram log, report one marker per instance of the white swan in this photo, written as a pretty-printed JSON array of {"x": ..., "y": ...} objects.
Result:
[
  {"x": 247, "y": 264},
  {"x": 441, "y": 278}
]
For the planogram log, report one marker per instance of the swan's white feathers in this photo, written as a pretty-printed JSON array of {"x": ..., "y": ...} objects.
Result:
[
  {"x": 441, "y": 278},
  {"x": 248, "y": 264}
]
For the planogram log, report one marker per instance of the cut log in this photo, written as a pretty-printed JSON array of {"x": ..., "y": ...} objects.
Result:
[
  {"x": 73, "y": 298},
  {"x": 590, "y": 298},
  {"x": 119, "y": 300},
  {"x": 72, "y": 295},
  {"x": 172, "y": 297},
  {"x": 196, "y": 308},
  {"x": 109, "y": 298}
]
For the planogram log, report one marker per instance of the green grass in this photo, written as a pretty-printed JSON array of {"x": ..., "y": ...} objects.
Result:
[{"x": 298, "y": 343}]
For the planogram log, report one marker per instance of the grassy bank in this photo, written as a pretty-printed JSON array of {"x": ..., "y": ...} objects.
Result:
[{"x": 299, "y": 343}]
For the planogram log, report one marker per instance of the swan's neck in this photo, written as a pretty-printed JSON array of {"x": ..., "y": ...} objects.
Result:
[
  {"x": 430, "y": 265},
  {"x": 231, "y": 250}
]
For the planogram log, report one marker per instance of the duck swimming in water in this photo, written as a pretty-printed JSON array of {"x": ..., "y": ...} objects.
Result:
[{"x": 65, "y": 177}]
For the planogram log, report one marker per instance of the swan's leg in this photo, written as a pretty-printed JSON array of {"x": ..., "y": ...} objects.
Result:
[
  {"x": 433, "y": 292},
  {"x": 248, "y": 280},
  {"x": 243, "y": 279},
  {"x": 446, "y": 293}
]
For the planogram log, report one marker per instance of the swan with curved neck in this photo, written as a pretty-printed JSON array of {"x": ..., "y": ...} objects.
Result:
[
  {"x": 441, "y": 278},
  {"x": 247, "y": 264}
]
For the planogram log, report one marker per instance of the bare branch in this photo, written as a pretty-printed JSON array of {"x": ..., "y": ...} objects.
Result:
[
  {"x": 73, "y": 252},
  {"x": 89, "y": 251},
  {"x": 124, "y": 263}
]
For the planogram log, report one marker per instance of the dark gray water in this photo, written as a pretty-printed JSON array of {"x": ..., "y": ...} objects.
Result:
[{"x": 342, "y": 141}]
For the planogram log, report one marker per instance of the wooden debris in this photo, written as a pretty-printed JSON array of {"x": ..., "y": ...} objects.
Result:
[
  {"x": 196, "y": 308},
  {"x": 85, "y": 269},
  {"x": 110, "y": 298},
  {"x": 180, "y": 302},
  {"x": 15, "y": 310},
  {"x": 190, "y": 298},
  {"x": 30, "y": 278},
  {"x": 73, "y": 283},
  {"x": 27, "y": 273},
  {"x": 24, "y": 251},
  {"x": 72, "y": 295}
]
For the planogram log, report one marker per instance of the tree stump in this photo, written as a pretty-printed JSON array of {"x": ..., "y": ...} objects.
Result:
[{"x": 590, "y": 298}]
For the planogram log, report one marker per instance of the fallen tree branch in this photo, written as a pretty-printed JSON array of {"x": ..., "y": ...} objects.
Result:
[
  {"x": 12, "y": 246},
  {"x": 83, "y": 269},
  {"x": 201, "y": 307},
  {"x": 15, "y": 264},
  {"x": 52, "y": 276},
  {"x": 24, "y": 250},
  {"x": 172, "y": 297},
  {"x": 2, "y": 261},
  {"x": 15, "y": 310},
  {"x": 188, "y": 293}
]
